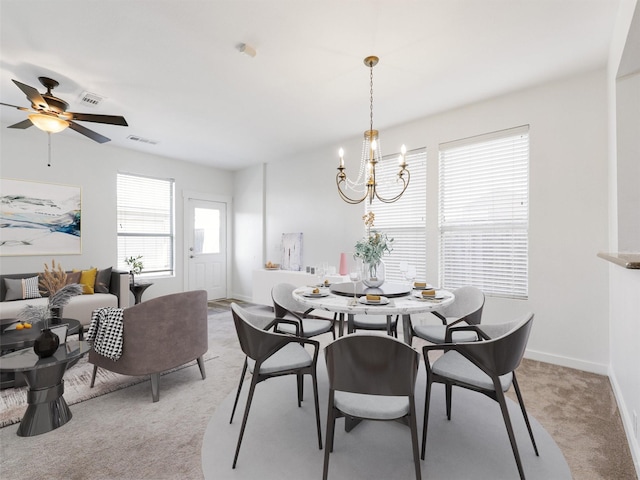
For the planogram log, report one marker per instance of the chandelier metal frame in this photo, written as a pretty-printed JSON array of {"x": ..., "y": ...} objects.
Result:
[{"x": 371, "y": 156}]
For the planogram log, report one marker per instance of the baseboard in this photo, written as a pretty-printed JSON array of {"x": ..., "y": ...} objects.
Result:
[
  {"x": 627, "y": 422},
  {"x": 592, "y": 367},
  {"x": 244, "y": 298}
]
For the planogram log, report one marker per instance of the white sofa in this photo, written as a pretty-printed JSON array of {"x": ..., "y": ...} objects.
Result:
[{"x": 79, "y": 308}]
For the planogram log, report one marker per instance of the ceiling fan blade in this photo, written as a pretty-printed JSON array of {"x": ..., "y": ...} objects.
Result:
[
  {"x": 15, "y": 106},
  {"x": 90, "y": 117},
  {"x": 32, "y": 94},
  {"x": 88, "y": 133},
  {"x": 23, "y": 124}
]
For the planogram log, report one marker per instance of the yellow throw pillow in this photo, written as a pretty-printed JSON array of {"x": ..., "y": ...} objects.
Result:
[{"x": 88, "y": 280}]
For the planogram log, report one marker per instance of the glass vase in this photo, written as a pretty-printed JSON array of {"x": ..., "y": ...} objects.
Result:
[{"x": 373, "y": 274}]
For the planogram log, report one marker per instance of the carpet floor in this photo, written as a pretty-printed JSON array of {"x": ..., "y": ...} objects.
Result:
[{"x": 123, "y": 435}]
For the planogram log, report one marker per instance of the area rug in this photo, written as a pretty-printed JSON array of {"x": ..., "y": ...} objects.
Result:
[
  {"x": 13, "y": 401},
  {"x": 280, "y": 440}
]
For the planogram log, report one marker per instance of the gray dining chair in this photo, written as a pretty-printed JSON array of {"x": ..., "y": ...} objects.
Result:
[
  {"x": 371, "y": 377},
  {"x": 270, "y": 355},
  {"x": 388, "y": 323},
  {"x": 465, "y": 310},
  {"x": 285, "y": 306},
  {"x": 486, "y": 365}
]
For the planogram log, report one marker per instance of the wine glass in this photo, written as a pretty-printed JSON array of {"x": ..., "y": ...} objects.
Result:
[
  {"x": 321, "y": 272},
  {"x": 404, "y": 266},
  {"x": 410, "y": 274},
  {"x": 354, "y": 275}
]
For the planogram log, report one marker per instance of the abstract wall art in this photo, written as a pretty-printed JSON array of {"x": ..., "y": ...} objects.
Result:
[
  {"x": 291, "y": 248},
  {"x": 39, "y": 218}
]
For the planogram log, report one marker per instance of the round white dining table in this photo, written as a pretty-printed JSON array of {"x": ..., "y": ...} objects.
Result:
[{"x": 405, "y": 302}]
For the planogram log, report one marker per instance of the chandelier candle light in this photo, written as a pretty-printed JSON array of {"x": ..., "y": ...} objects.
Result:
[{"x": 371, "y": 156}]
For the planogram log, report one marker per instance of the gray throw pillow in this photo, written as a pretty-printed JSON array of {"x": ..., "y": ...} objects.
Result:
[
  {"x": 21, "y": 288},
  {"x": 103, "y": 281}
]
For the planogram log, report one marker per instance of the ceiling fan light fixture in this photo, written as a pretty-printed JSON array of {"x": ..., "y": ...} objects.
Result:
[{"x": 48, "y": 123}]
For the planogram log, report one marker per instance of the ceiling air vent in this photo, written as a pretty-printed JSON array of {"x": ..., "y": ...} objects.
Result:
[
  {"x": 136, "y": 138},
  {"x": 90, "y": 99}
]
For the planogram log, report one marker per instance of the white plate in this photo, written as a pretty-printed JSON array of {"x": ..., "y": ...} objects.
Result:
[
  {"x": 315, "y": 295},
  {"x": 364, "y": 301}
]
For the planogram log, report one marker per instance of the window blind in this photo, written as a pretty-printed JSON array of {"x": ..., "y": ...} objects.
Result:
[
  {"x": 484, "y": 213},
  {"x": 146, "y": 222},
  {"x": 405, "y": 219}
]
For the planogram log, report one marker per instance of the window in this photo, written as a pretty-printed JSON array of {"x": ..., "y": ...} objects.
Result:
[
  {"x": 405, "y": 219},
  {"x": 484, "y": 213},
  {"x": 145, "y": 223}
]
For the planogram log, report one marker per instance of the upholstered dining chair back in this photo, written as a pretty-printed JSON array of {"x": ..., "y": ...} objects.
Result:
[
  {"x": 255, "y": 341},
  {"x": 468, "y": 304},
  {"x": 285, "y": 306},
  {"x": 371, "y": 364},
  {"x": 503, "y": 354},
  {"x": 283, "y": 301},
  {"x": 466, "y": 309}
]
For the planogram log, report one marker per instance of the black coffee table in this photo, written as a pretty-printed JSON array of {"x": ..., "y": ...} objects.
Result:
[
  {"x": 11, "y": 340},
  {"x": 47, "y": 408}
]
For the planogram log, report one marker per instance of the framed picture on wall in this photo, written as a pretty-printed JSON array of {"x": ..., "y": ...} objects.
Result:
[
  {"x": 291, "y": 251},
  {"x": 39, "y": 218}
]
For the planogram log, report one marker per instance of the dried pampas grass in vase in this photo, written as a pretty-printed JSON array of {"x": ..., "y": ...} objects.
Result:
[
  {"x": 53, "y": 284},
  {"x": 52, "y": 279}
]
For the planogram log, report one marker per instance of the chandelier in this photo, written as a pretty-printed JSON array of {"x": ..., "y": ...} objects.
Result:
[{"x": 371, "y": 156}]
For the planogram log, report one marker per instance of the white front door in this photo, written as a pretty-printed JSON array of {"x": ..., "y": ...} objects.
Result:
[{"x": 206, "y": 226}]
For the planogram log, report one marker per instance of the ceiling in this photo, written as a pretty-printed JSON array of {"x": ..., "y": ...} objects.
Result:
[{"x": 173, "y": 69}]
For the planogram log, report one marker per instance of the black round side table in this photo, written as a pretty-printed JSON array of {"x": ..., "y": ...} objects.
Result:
[{"x": 138, "y": 289}]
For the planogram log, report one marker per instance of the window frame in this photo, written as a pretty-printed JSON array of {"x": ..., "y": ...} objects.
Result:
[
  {"x": 166, "y": 216},
  {"x": 485, "y": 211}
]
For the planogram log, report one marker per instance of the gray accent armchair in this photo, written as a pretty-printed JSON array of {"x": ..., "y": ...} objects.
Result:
[{"x": 159, "y": 335}]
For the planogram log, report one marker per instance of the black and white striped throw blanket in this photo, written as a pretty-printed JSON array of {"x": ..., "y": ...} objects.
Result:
[{"x": 105, "y": 332}]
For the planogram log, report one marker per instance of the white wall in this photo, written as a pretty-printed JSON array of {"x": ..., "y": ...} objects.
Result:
[
  {"x": 568, "y": 224},
  {"x": 624, "y": 285},
  {"x": 248, "y": 229},
  {"x": 79, "y": 161}
]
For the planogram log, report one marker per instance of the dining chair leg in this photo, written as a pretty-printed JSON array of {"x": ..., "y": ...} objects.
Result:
[
  {"x": 507, "y": 423},
  {"x": 524, "y": 413},
  {"x": 317, "y": 408},
  {"x": 254, "y": 382},
  {"x": 300, "y": 382},
  {"x": 414, "y": 437},
  {"x": 235, "y": 403},
  {"x": 328, "y": 448},
  {"x": 333, "y": 326},
  {"x": 425, "y": 423},
  {"x": 448, "y": 391}
]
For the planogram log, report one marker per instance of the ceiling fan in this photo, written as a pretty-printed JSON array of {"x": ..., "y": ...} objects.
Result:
[{"x": 49, "y": 113}]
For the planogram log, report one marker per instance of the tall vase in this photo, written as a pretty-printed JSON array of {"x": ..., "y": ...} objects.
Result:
[
  {"x": 46, "y": 344},
  {"x": 373, "y": 274},
  {"x": 56, "y": 315}
]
